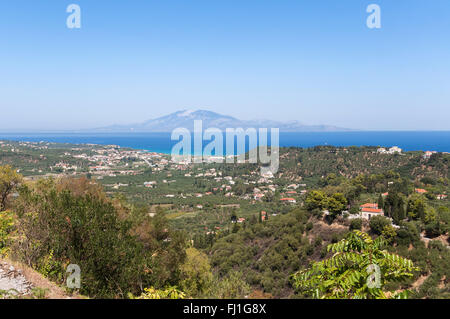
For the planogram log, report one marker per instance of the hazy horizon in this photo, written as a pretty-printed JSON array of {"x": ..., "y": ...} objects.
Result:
[{"x": 312, "y": 61}]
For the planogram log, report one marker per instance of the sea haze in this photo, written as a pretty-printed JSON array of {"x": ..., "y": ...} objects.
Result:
[{"x": 162, "y": 143}]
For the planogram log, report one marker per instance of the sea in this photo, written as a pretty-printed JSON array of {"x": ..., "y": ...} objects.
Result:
[{"x": 162, "y": 143}]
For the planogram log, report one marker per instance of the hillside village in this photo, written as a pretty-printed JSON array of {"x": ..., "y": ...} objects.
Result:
[{"x": 155, "y": 178}]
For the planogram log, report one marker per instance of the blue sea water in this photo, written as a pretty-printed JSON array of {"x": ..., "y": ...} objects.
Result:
[{"x": 162, "y": 143}]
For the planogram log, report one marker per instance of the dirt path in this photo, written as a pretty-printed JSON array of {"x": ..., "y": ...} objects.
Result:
[
  {"x": 443, "y": 239},
  {"x": 18, "y": 280}
]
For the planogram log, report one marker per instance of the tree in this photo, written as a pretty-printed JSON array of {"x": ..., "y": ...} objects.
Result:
[
  {"x": 416, "y": 207},
  {"x": 9, "y": 180},
  {"x": 389, "y": 233},
  {"x": 232, "y": 286},
  {"x": 196, "y": 273},
  {"x": 377, "y": 224},
  {"x": 336, "y": 203},
  {"x": 359, "y": 268},
  {"x": 356, "y": 224},
  {"x": 315, "y": 199},
  {"x": 6, "y": 230},
  {"x": 394, "y": 206},
  {"x": 319, "y": 200},
  {"x": 380, "y": 201}
]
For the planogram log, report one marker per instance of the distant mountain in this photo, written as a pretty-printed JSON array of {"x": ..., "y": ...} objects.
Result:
[{"x": 185, "y": 119}]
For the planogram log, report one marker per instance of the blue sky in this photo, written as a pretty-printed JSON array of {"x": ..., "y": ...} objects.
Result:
[{"x": 313, "y": 61}]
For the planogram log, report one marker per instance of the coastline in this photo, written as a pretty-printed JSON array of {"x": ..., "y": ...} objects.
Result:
[{"x": 161, "y": 142}]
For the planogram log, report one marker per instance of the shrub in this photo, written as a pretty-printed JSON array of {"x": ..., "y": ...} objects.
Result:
[
  {"x": 334, "y": 238},
  {"x": 6, "y": 230},
  {"x": 356, "y": 224},
  {"x": 434, "y": 229},
  {"x": 317, "y": 241},
  {"x": 195, "y": 273},
  {"x": 232, "y": 286},
  {"x": 377, "y": 224},
  {"x": 408, "y": 234},
  {"x": 55, "y": 228},
  {"x": 167, "y": 293}
]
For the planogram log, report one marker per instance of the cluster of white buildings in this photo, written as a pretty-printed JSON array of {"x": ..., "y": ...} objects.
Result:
[
  {"x": 392, "y": 150},
  {"x": 428, "y": 154}
]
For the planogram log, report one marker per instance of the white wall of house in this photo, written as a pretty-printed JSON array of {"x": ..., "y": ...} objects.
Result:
[{"x": 369, "y": 215}]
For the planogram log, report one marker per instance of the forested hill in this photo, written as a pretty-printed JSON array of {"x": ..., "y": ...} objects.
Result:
[
  {"x": 319, "y": 161},
  {"x": 266, "y": 254}
]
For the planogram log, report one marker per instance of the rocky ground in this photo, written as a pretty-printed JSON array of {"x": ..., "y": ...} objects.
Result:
[
  {"x": 12, "y": 282},
  {"x": 20, "y": 281}
]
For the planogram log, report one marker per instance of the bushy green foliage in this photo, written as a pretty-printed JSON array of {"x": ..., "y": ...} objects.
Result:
[
  {"x": 56, "y": 228},
  {"x": 348, "y": 273},
  {"x": 276, "y": 246},
  {"x": 408, "y": 233},
  {"x": 416, "y": 207},
  {"x": 378, "y": 223},
  {"x": 356, "y": 224},
  {"x": 59, "y": 228},
  {"x": 394, "y": 206},
  {"x": 167, "y": 293},
  {"x": 232, "y": 286},
  {"x": 317, "y": 199},
  {"x": 434, "y": 264},
  {"x": 6, "y": 230},
  {"x": 389, "y": 233},
  {"x": 195, "y": 273},
  {"x": 267, "y": 253},
  {"x": 9, "y": 180}
]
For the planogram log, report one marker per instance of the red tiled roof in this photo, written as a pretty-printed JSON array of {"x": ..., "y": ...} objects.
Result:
[
  {"x": 372, "y": 210},
  {"x": 369, "y": 205}
]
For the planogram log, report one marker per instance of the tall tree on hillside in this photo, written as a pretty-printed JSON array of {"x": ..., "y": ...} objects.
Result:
[
  {"x": 416, "y": 207},
  {"x": 380, "y": 201},
  {"x": 9, "y": 180},
  {"x": 336, "y": 203}
]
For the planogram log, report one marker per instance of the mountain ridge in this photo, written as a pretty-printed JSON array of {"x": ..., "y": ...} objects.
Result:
[{"x": 185, "y": 119}]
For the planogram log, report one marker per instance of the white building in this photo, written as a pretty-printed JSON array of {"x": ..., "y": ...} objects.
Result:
[
  {"x": 368, "y": 213},
  {"x": 394, "y": 149}
]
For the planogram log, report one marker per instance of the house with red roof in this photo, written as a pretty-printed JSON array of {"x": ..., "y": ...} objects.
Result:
[
  {"x": 368, "y": 213},
  {"x": 369, "y": 205}
]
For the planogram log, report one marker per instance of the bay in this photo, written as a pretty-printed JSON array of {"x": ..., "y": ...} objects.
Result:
[{"x": 162, "y": 143}]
